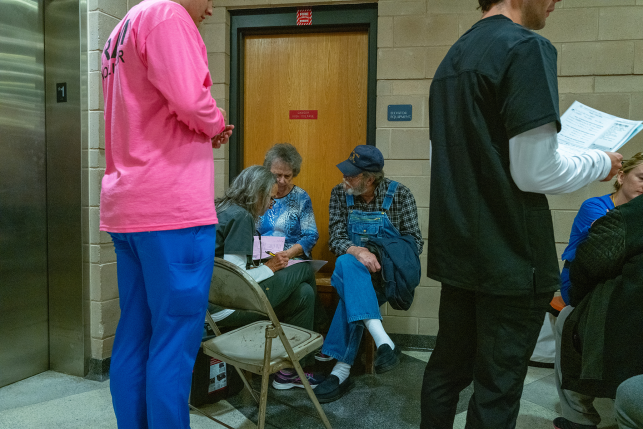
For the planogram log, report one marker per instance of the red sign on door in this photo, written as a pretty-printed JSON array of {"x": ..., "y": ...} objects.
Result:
[
  {"x": 305, "y": 17},
  {"x": 303, "y": 114}
]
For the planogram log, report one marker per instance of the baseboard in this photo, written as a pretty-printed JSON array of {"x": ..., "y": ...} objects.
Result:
[
  {"x": 410, "y": 341},
  {"x": 98, "y": 369}
]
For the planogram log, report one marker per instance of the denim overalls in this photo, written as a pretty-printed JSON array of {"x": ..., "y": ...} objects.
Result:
[{"x": 358, "y": 300}]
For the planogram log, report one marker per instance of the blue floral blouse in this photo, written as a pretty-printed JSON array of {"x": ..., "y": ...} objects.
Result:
[{"x": 291, "y": 217}]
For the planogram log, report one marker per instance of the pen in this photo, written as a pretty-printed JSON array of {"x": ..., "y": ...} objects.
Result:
[{"x": 270, "y": 253}]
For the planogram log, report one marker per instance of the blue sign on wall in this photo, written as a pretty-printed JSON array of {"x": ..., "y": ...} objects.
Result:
[{"x": 400, "y": 112}]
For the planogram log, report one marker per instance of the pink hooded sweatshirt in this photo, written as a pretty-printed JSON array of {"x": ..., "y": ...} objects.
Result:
[{"x": 159, "y": 122}]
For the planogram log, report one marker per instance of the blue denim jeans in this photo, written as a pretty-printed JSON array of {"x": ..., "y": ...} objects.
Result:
[{"x": 357, "y": 301}]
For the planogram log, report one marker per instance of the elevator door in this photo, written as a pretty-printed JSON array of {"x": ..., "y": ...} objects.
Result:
[{"x": 24, "y": 349}]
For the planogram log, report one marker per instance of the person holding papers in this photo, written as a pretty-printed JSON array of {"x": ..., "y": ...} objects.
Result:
[
  {"x": 493, "y": 120},
  {"x": 291, "y": 290},
  {"x": 291, "y": 216}
]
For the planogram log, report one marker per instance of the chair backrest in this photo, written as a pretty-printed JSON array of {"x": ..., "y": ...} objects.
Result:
[{"x": 233, "y": 288}]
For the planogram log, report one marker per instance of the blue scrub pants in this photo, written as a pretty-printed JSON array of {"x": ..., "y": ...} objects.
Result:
[{"x": 163, "y": 282}]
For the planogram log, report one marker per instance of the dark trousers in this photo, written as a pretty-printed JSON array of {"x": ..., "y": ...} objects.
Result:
[{"x": 487, "y": 339}]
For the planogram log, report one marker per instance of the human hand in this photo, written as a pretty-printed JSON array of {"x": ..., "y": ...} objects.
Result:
[
  {"x": 278, "y": 262},
  {"x": 368, "y": 259},
  {"x": 223, "y": 137},
  {"x": 617, "y": 163}
]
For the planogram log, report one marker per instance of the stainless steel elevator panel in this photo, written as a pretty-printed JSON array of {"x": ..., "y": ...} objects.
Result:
[
  {"x": 66, "y": 62},
  {"x": 24, "y": 348}
]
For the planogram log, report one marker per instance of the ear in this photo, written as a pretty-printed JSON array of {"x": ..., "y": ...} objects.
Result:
[{"x": 620, "y": 177}]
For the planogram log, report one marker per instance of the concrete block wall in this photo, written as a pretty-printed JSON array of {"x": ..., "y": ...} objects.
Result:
[{"x": 600, "y": 52}]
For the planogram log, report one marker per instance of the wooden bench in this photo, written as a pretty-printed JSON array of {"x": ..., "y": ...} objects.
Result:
[{"x": 365, "y": 361}]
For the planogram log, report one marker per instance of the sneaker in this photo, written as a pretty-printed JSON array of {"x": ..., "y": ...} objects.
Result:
[
  {"x": 386, "y": 359},
  {"x": 322, "y": 357},
  {"x": 331, "y": 390},
  {"x": 287, "y": 381},
  {"x": 563, "y": 423}
]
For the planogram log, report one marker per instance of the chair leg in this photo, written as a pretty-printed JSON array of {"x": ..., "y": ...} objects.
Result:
[
  {"x": 311, "y": 393},
  {"x": 265, "y": 377},
  {"x": 210, "y": 417},
  {"x": 245, "y": 383}
]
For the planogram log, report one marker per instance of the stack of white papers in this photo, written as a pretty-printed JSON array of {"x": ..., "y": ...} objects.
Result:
[{"x": 584, "y": 128}]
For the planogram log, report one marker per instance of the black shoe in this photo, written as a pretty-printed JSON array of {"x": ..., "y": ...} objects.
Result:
[
  {"x": 563, "y": 423},
  {"x": 331, "y": 390},
  {"x": 386, "y": 359}
]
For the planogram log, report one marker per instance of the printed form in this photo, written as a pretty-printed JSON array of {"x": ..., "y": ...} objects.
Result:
[{"x": 585, "y": 128}]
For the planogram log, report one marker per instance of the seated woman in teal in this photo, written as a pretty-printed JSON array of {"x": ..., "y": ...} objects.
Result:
[
  {"x": 291, "y": 215},
  {"x": 628, "y": 185}
]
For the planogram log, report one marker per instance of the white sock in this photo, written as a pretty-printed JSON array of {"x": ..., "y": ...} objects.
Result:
[
  {"x": 378, "y": 333},
  {"x": 342, "y": 371}
]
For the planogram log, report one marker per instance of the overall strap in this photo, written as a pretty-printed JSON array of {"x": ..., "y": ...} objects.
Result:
[
  {"x": 388, "y": 199},
  {"x": 350, "y": 200}
]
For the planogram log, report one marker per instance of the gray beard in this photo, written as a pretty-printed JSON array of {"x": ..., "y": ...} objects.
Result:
[{"x": 359, "y": 190}]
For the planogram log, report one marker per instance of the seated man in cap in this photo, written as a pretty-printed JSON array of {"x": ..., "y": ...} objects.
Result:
[{"x": 366, "y": 204}]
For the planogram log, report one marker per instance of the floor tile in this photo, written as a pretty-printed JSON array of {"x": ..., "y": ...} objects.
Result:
[
  {"x": 419, "y": 355},
  {"x": 91, "y": 409},
  {"x": 45, "y": 387},
  {"x": 531, "y": 416},
  {"x": 535, "y": 374}
]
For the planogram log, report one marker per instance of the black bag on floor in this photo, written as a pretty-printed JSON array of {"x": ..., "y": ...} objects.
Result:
[{"x": 213, "y": 380}]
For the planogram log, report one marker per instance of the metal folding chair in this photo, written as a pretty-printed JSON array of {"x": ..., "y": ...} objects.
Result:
[{"x": 262, "y": 347}]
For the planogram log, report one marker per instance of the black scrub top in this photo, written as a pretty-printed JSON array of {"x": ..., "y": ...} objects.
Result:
[{"x": 497, "y": 81}]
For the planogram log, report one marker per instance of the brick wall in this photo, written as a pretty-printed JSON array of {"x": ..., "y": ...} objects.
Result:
[{"x": 600, "y": 48}]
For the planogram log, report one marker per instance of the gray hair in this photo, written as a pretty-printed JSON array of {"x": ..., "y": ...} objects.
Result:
[
  {"x": 286, "y": 153},
  {"x": 249, "y": 190},
  {"x": 377, "y": 176}
]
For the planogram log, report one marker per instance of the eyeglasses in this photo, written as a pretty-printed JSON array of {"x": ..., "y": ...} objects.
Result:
[{"x": 272, "y": 202}]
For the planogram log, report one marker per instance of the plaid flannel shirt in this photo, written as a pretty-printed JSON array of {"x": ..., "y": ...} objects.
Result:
[{"x": 403, "y": 215}]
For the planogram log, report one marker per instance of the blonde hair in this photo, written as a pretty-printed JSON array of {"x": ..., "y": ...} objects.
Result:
[{"x": 628, "y": 166}]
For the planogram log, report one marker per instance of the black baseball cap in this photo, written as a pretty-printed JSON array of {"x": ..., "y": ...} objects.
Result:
[{"x": 363, "y": 158}]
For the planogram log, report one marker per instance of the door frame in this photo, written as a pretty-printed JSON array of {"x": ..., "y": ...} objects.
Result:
[{"x": 282, "y": 20}]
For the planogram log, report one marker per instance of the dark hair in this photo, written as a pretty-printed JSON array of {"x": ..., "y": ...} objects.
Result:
[
  {"x": 249, "y": 190},
  {"x": 485, "y": 5},
  {"x": 285, "y": 152}
]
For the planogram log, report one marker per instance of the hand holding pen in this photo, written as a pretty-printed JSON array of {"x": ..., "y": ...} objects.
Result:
[{"x": 278, "y": 261}]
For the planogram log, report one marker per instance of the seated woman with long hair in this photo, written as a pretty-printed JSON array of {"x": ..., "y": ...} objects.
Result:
[{"x": 292, "y": 291}]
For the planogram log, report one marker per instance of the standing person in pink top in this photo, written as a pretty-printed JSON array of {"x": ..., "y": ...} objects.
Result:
[{"x": 157, "y": 203}]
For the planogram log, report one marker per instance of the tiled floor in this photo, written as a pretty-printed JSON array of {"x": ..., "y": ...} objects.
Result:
[{"x": 56, "y": 401}]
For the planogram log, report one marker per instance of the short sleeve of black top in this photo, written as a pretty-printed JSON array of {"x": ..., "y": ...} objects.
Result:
[
  {"x": 528, "y": 93},
  {"x": 235, "y": 232}
]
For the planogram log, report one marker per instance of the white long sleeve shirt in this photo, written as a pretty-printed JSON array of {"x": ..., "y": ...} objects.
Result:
[{"x": 536, "y": 164}]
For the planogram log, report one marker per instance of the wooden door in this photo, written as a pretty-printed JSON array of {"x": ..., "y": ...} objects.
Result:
[{"x": 326, "y": 72}]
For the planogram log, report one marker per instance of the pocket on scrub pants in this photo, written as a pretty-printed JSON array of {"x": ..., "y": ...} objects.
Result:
[{"x": 189, "y": 287}]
